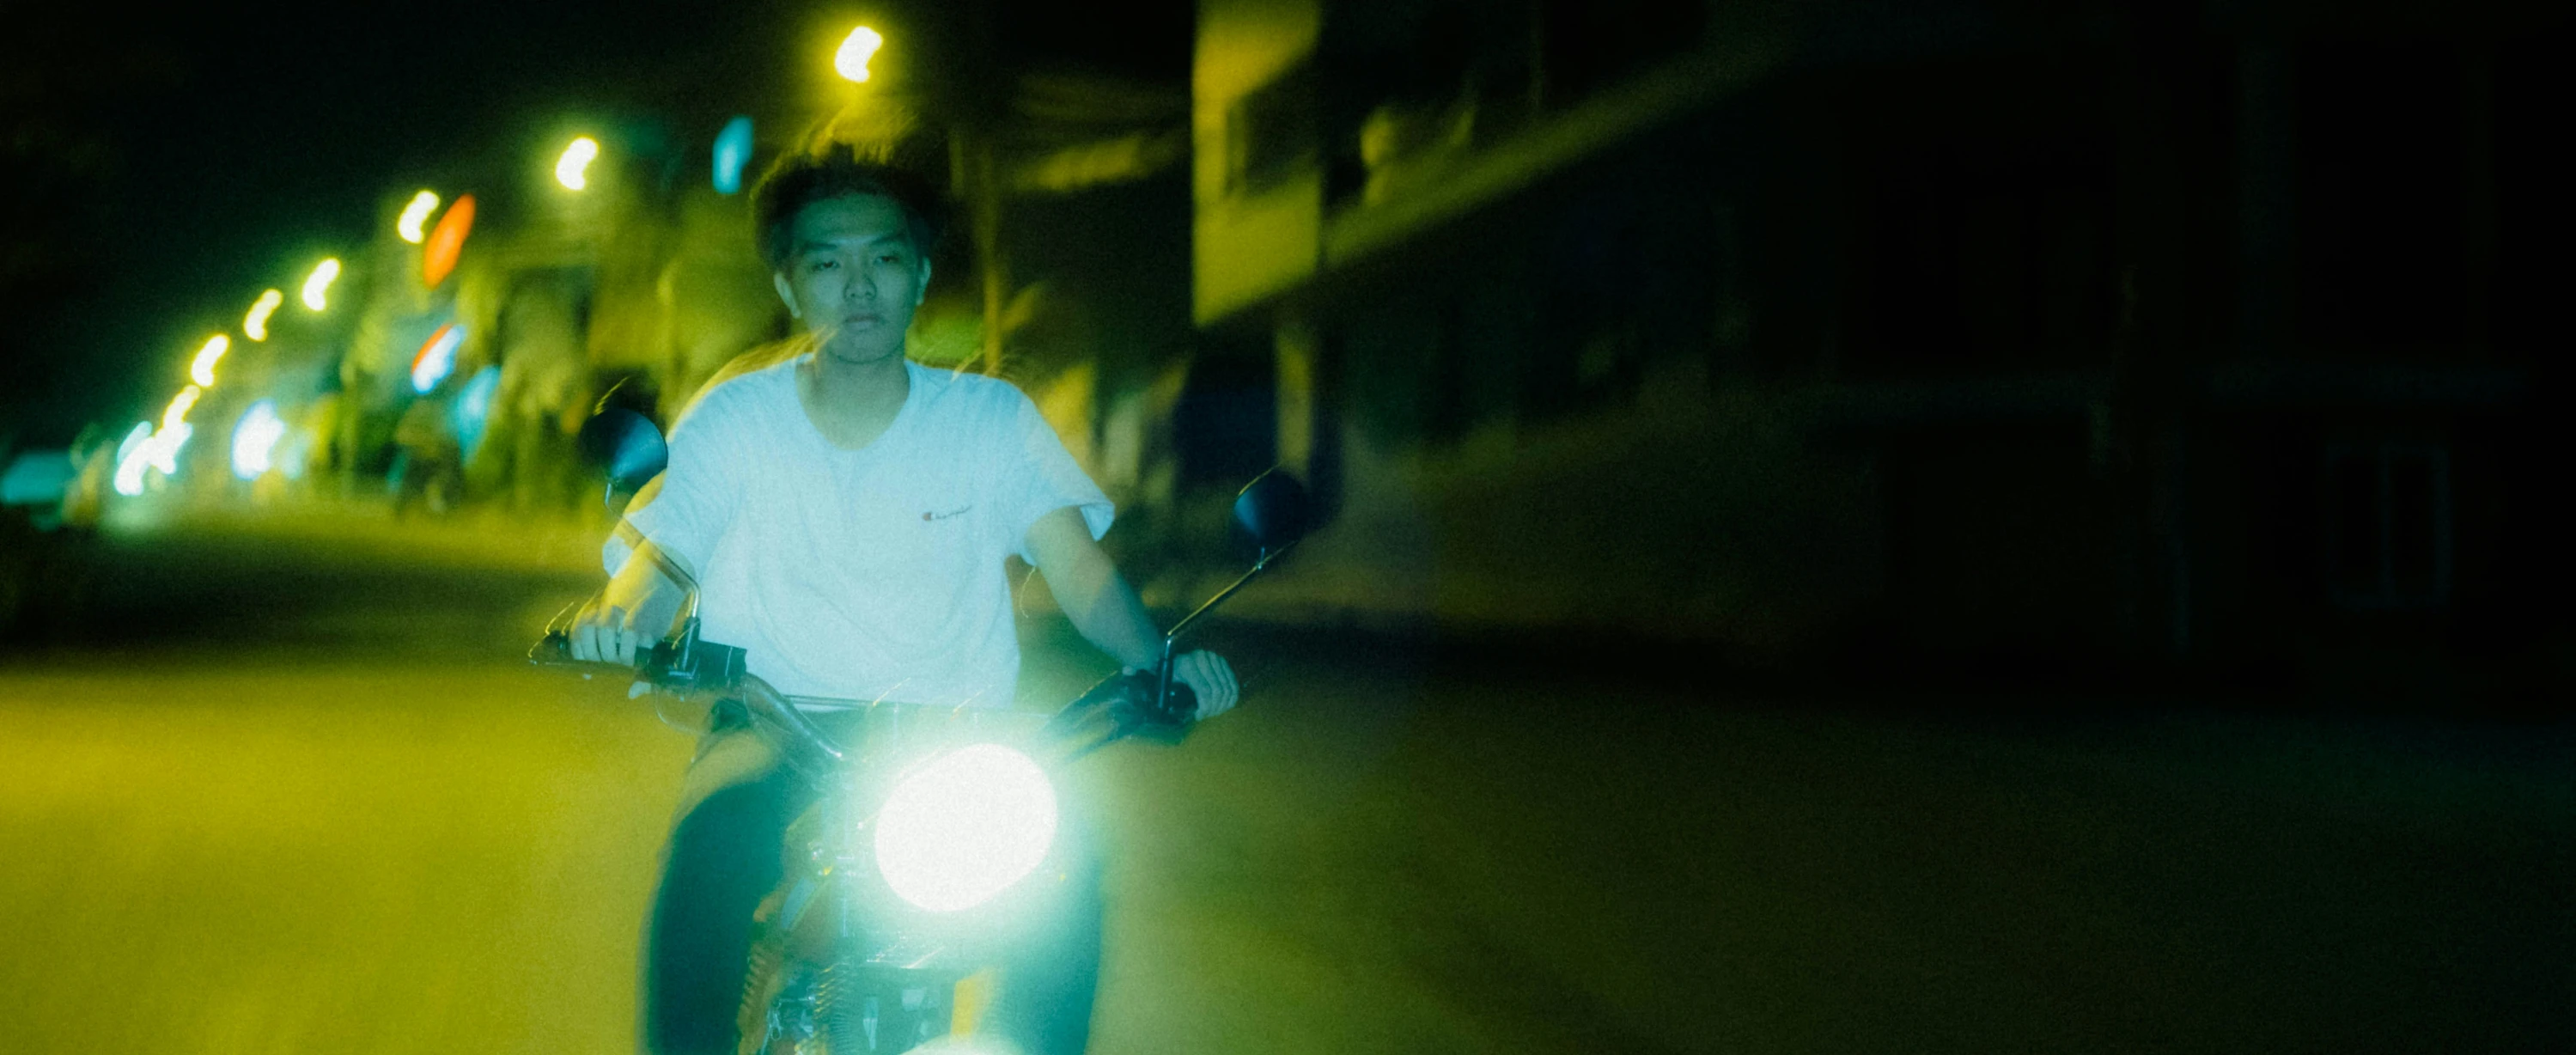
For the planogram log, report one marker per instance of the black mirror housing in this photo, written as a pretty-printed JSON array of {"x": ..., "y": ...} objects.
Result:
[
  {"x": 626, "y": 444},
  {"x": 1272, "y": 511}
]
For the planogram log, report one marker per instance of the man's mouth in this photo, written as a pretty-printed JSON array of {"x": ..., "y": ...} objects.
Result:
[{"x": 863, "y": 320}]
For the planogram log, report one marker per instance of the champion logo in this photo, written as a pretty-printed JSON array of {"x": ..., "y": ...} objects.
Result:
[{"x": 959, "y": 511}]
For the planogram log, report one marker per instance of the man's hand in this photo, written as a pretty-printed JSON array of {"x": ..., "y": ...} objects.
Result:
[
  {"x": 1207, "y": 674},
  {"x": 605, "y": 633}
]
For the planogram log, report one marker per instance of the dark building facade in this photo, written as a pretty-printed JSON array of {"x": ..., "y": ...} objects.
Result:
[{"x": 2112, "y": 338}]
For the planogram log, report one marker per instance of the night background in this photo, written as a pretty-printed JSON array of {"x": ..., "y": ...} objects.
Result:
[{"x": 1844, "y": 526}]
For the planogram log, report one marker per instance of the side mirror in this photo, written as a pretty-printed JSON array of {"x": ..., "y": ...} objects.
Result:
[
  {"x": 1272, "y": 511},
  {"x": 628, "y": 445}
]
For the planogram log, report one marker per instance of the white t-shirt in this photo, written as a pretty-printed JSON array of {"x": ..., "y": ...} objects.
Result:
[{"x": 874, "y": 574}]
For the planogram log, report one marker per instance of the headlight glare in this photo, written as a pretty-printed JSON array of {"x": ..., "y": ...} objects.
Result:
[{"x": 965, "y": 827}]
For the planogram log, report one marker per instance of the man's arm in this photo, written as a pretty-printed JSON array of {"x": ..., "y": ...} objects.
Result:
[{"x": 1107, "y": 612}]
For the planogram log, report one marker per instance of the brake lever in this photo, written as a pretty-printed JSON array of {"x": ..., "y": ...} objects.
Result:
[{"x": 1127, "y": 702}]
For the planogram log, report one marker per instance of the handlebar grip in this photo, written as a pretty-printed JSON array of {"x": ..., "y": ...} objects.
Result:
[
  {"x": 702, "y": 665},
  {"x": 1180, "y": 704}
]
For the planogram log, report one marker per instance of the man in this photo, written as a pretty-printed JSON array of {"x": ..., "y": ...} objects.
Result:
[{"x": 845, "y": 515}]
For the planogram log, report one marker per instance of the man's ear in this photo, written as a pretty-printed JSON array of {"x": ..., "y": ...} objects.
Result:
[
  {"x": 786, "y": 293},
  {"x": 921, "y": 290}
]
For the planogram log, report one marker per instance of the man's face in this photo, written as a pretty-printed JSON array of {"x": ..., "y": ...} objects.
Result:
[{"x": 853, "y": 276}]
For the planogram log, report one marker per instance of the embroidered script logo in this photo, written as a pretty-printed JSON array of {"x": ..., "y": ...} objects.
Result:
[{"x": 959, "y": 511}]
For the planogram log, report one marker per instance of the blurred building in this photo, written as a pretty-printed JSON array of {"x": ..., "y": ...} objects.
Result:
[{"x": 2025, "y": 340}]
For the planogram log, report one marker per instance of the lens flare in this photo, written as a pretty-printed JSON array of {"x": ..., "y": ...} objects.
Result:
[
  {"x": 965, "y": 827},
  {"x": 572, "y": 169},
  {"x": 202, "y": 371},
  {"x": 852, "y": 60},
  {"x": 255, "y": 324},
  {"x": 254, "y": 437},
  {"x": 415, "y": 215},
  {"x": 319, "y": 283}
]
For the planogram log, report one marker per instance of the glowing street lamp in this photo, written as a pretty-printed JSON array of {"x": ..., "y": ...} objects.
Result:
[
  {"x": 255, "y": 438},
  {"x": 132, "y": 457},
  {"x": 176, "y": 414},
  {"x": 319, "y": 283},
  {"x": 415, "y": 216},
  {"x": 572, "y": 168},
  {"x": 255, "y": 324},
  {"x": 202, "y": 371},
  {"x": 852, "y": 60}
]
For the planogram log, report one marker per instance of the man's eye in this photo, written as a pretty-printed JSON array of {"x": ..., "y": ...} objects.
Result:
[
  {"x": 823, "y": 265},
  {"x": 890, "y": 258}
]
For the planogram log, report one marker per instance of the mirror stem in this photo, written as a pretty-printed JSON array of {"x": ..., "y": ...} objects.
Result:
[{"x": 1163, "y": 670}]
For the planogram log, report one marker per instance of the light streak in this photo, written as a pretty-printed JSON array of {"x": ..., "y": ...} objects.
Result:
[
  {"x": 851, "y": 62},
  {"x": 415, "y": 215},
  {"x": 202, "y": 371},
  {"x": 319, "y": 283},
  {"x": 255, "y": 324},
  {"x": 437, "y": 358},
  {"x": 447, "y": 241},
  {"x": 176, "y": 414},
  {"x": 733, "y": 151},
  {"x": 133, "y": 455},
  {"x": 572, "y": 168}
]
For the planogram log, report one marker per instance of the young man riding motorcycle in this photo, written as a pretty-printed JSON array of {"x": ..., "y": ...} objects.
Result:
[{"x": 844, "y": 514}]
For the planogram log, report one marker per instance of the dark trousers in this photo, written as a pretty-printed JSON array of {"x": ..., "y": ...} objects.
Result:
[{"x": 724, "y": 856}]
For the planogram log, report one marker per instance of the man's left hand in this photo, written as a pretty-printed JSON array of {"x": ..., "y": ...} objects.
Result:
[{"x": 1208, "y": 675}]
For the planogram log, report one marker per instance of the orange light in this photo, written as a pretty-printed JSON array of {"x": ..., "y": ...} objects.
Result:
[{"x": 447, "y": 241}]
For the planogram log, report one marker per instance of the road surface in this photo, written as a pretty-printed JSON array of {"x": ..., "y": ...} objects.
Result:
[{"x": 289, "y": 790}]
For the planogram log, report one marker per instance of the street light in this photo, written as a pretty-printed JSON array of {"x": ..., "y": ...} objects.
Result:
[
  {"x": 852, "y": 60},
  {"x": 319, "y": 283},
  {"x": 202, "y": 371},
  {"x": 255, "y": 324},
  {"x": 176, "y": 414},
  {"x": 571, "y": 169},
  {"x": 415, "y": 215},
  {"x": 255, "y": 437}
]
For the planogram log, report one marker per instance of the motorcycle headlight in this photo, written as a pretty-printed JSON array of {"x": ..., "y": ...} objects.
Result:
[{"x": 964, "y": 827}]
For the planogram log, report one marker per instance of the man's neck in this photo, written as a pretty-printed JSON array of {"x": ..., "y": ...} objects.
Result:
[
  {"x": 852, "y": 404},
  {"x": 845, "y": 386}
]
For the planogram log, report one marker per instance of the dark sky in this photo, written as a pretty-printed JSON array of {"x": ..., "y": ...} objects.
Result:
[{"x": 237, "y": 147}]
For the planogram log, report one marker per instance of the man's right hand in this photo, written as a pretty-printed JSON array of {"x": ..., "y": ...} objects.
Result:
[{"x": 605, "y": 633}]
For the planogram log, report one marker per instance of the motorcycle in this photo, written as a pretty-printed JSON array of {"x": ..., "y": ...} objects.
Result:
[{"x": 937, "y": 842}]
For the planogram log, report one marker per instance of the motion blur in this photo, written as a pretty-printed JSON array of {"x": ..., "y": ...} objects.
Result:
[{"x": 1962, "y": 526}]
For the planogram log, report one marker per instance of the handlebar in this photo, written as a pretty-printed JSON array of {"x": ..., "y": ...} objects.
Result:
[
  {"x": 688, "y": 663},
  {"x": 1130, "y": 699},
  {"x": 684, "y": 664}
]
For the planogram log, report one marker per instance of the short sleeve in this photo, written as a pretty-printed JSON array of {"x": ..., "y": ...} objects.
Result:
[
  {"x": 1039, "y": 476},
  {"x": 685, "y": 510}
]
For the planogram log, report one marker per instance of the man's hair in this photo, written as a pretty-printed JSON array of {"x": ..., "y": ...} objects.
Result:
[{"x": 801, "y": 178}]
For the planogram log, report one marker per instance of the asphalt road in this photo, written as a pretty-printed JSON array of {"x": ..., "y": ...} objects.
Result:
[{"x": 287, "y": 789}]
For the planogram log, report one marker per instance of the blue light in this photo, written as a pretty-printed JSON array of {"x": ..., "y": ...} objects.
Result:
[
  {"x": 733, "y": 151},
  {"x": 473, "y": 407}
]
